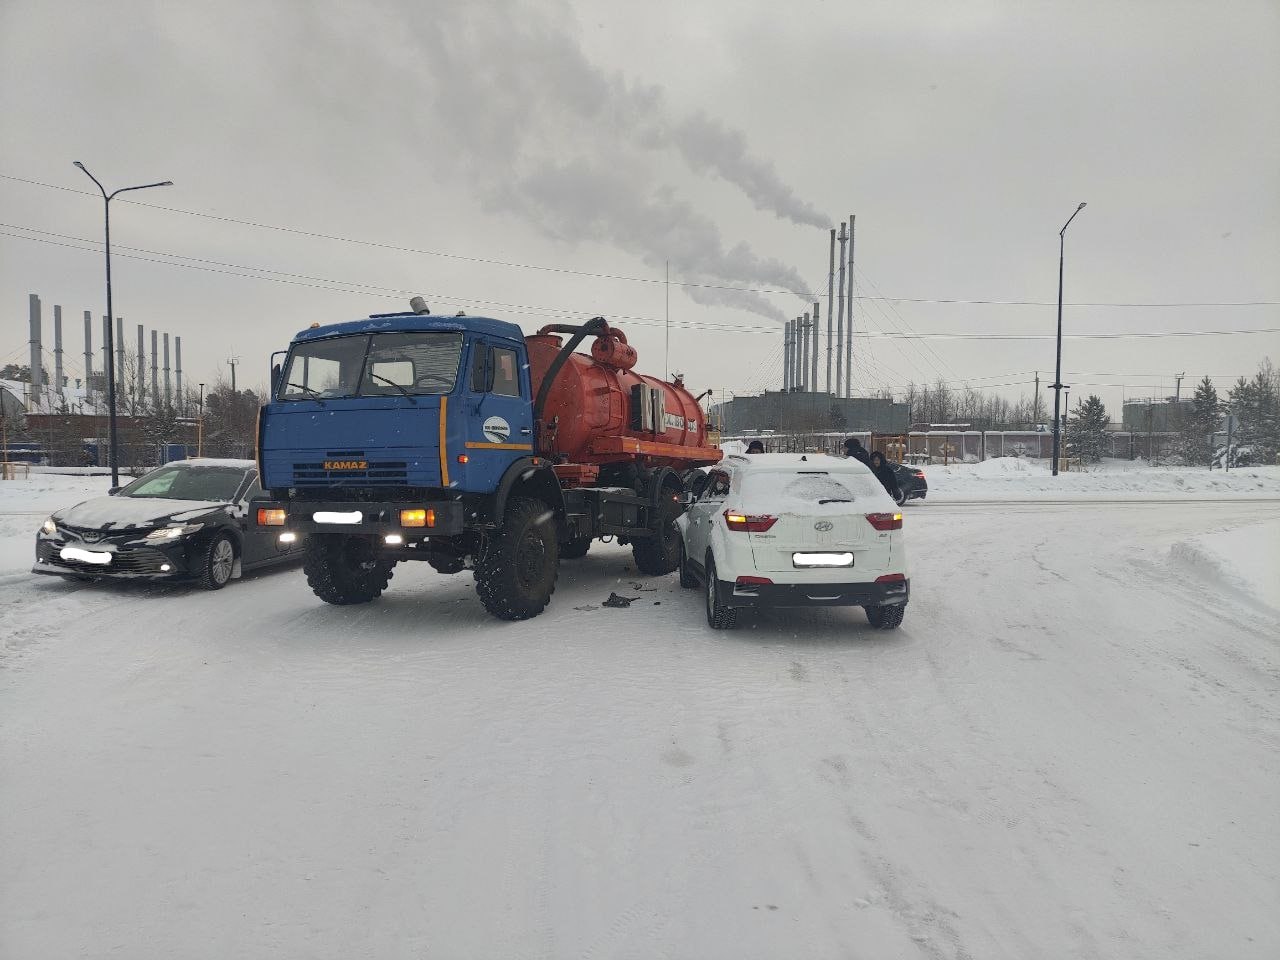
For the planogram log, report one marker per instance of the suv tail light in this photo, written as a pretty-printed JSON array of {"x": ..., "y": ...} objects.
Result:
[
  {"x": 885, "y": 521},
  {"x": 919, "y": 474},
  {"x": 748, "y": 523}
]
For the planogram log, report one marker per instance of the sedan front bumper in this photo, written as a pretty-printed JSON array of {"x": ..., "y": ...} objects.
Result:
[{"x": 128, "y": 562}]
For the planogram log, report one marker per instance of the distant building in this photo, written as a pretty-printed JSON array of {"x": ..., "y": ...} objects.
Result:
[
  {"x": 1155, "y": 416},
  {"x": 808, "y": 412}
]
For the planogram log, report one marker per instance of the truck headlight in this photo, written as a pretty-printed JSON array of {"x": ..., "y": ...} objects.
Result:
[
  {"x": 172, "y": 533},
  {"x": 49, "y": 527}
]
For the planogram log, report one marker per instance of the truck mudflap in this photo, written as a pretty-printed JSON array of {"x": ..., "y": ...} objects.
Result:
[{"x": 442, "y": 518}]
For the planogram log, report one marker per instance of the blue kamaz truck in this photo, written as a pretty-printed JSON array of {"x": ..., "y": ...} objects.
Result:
[{"x": 461, "y": 442}]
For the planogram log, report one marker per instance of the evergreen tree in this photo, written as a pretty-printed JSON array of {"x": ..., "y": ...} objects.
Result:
[
  {"x": 1087, "y": 430},
  {"x": 1199, "y": 425},
  {"x": 1256, "y": 405}
]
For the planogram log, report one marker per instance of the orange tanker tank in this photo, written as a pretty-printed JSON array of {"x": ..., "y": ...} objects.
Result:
[{"x": 598, "y": 411}]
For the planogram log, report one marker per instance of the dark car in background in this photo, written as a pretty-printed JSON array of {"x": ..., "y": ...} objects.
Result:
[
  {"x": 911, "y": 481},
  {"x": 189, "y": 520}
]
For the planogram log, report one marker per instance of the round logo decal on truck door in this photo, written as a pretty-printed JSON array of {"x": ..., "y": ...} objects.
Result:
[{"x": 496, "y": 430}]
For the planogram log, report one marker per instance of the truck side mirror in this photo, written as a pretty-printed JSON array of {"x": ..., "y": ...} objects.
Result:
[{"x": 275, "y": 378}]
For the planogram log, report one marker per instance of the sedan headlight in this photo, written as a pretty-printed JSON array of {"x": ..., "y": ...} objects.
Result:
[
  {"x": 172, "y": 533},
  {"x": 49, "y": 527}
]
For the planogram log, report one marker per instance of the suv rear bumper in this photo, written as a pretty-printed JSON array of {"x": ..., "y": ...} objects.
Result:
[{"x": 867, "y": 594}]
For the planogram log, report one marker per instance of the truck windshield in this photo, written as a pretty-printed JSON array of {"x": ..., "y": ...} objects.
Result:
[{"x": 372, "y": 365}]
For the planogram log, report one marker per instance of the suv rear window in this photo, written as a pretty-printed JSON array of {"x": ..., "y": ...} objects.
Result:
[{"x": 765, "y": 490}]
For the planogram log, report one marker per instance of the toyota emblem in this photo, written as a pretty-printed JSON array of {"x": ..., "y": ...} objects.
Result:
[
  {"x": 822, "y": 526},
  {"x": 91, "y": 536}
]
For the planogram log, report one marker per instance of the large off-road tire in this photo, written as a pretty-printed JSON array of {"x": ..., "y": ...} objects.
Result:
[
  {"x": 687, "y": 578},
  {"x": 659, "y": 555},
  {"x": 575, "y": 549},
  {"x": 886, "y": 618},
  {"x": 344, "y": 569},
  {"x": 719, "y": 616},
  {"x": 516, "y": 574},
  {"x": 214, "y": 562}
]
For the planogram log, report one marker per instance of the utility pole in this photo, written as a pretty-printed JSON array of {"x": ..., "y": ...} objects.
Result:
[
  {"x": 1035, "y": 401},
  {"x": 232, "y": 361},
  {"x": 848, "y": 340},
  {"x": 200, "y": 426},
  {"x": 844, "y": 239},
  {"x": 1177, "y": 390},
  {"x": 831, "y": 279}
]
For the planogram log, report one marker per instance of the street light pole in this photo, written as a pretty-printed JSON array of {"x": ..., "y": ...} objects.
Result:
[
  {"x": 200, "y": 426},
  {"x": 110, "y": 345},
  {"x": 1057, "y": 370}
]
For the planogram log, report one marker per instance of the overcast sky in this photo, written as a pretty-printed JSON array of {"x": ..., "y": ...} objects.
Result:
[{"x": 541, "y": 161}]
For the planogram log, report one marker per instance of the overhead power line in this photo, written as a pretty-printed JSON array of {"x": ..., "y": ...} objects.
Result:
[{"x": 768, "y": 291}]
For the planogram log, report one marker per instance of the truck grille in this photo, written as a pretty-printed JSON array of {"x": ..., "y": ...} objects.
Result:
[{"x": 374, "y": 472}]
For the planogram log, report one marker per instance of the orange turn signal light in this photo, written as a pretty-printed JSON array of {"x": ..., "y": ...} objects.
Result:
[
  {"x": 268, "y": 517},
  {"x": 417, "y": 518}
]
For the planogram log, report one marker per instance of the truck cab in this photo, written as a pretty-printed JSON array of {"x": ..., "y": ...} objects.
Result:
[{"x": 431, "y": 404}]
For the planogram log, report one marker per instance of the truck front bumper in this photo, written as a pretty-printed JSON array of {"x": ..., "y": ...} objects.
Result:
[{"x": 443, "y": 518}]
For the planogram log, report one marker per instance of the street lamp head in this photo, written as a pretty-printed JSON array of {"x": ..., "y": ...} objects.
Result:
[
  {"x": 79, "y": 164},
  {"x": 1082, "y": 206},
  {"x": 169, "y": 183}
]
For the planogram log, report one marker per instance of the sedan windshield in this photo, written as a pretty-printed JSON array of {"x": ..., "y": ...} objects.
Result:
[
  {"x": 215, "y": 484},
  {"x": 372, "y": 365}
]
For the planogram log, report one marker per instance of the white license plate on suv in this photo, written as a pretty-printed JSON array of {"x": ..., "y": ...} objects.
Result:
[
  {"x": 844, "y": 559},
  {"x": 84, "y": 556}
]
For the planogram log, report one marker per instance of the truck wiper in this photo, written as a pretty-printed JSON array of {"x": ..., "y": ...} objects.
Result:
[
  {"x": 309, "y": 392},
  {"x": 835, "y": 500},
  {"x": 412, "y": 398}
]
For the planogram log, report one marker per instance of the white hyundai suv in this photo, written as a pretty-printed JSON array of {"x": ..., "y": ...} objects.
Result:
[{"x": 794, "y": 530}]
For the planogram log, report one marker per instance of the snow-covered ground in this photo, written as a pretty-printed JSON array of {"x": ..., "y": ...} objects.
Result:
[
  {"x": 1019, "y": 479},
  {"x": 1070, "y": 749}
]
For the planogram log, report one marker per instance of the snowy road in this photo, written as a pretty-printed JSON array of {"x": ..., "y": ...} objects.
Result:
[{"x": 1069, "y": 750}]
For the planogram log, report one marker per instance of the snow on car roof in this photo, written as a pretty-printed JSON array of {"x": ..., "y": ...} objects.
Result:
[
  {"x": 213, "y": 462},
  {"x": 794, "y": 461}
]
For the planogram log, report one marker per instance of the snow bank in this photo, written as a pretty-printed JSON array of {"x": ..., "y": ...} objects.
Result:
[
  {"x": 1011, "y": 478},
  {"x": 1245, "y": 558},
  {"x": 25, "y": 502}
]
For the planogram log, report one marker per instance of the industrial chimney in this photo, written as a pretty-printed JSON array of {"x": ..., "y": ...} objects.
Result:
[
  {"x": 34, "y": 305},
  {"x": 88, "y": 357},
  {"x": 57, "y": 349},
  {"x": 177, "y": 362},
  {"x": 119, "y": 356},
  {"x": 141, "y": 388},
  {"x": 168, "y": 395},
  {"x": 155, "y": 367}
]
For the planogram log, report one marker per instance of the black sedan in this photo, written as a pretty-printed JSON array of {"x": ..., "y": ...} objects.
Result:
[
  {"x": 910, "y": 481},
  {"x": 189, "y": 520}
]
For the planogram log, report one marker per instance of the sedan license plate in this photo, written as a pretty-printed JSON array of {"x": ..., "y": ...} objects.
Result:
[
  {"x": 844, "y": 559},
  {"x": 84, "y": 556}
]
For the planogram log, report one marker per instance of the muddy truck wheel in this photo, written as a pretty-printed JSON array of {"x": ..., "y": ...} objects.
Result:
[
  {"x": 516, "y": 575},
  {"x": 575, "y": 549},
  {"x": 343, "y": 569}
]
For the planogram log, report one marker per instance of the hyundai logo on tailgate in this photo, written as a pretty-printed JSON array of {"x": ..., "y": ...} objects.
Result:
[{"x": 822, "y": 526}]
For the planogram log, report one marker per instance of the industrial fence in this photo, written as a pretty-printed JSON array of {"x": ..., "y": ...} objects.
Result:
[{"x": 963, "y": 446}]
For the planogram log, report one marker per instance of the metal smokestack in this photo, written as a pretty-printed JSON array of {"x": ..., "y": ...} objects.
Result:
[
  {"x": 848, "y": 343},
  {"x": 817, "y": 327},
  {"x": 804, "y": 354},
  {"x": 140, "y": 390},
  {"x": 786, "y": 357},
  {"x": 88, "y": 356},
  {"x": 119, "y": 359},
  {"x": 33, "y": 303},
  {"x": 168, "y": 394},
  {"x": 106, "y": 355},
  {"x": 839, "y": 391},
  {"x": 155, "y": 367},
  {"x": 57, "y": 349},
  {"x": 177, "y": 362}
]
